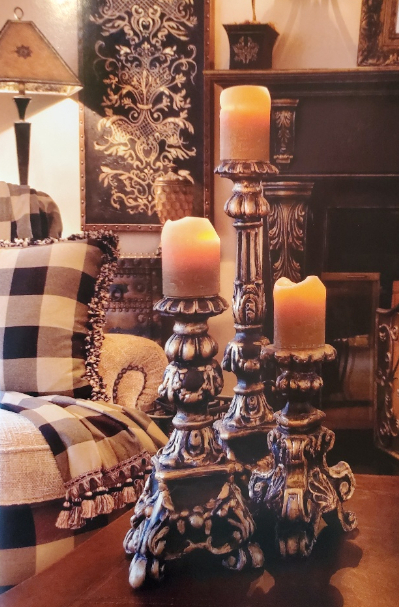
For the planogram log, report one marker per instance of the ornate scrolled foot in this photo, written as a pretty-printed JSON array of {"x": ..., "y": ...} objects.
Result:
[
  {"x": 165, "y": 525},
  {"x": 296, "y": 543},
  {"x": 301, "y": 488},
  {"x": 141, "y": 569},
  {"x": 250, "y": 556},
  {"x": 344, "y": 483}
]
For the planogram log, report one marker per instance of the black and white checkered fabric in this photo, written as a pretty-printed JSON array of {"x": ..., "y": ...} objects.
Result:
[
  {"x": 102, "y": 452},
  {"x": 26, "y": 213},
  {"x": 52, "y": 297},
  {"x": 30, "y": 540}
]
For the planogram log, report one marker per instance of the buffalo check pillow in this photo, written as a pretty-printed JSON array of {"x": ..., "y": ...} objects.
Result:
[{"x": 52, "y": 297}]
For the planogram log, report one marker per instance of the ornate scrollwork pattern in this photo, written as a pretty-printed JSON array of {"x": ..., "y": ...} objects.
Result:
[
  {"x": 189, "y": 346},
  {"x": 246, "y": 50},
  {"x": 191, "y": 384},
  {"x": 387, "y": 424},
  {"x": 160, "y": 531},
  {"x": 287, "y": 239},
  {"x": 249, "y": 414},
  {"x": 192, "y": 447},
  {"x": 282, "y": 132},
  {"x": 248, "y": 303},
  {"x": 301, "y": 488},
  {"x": 248, "y": 411},
  {"x": 243, "y": 356},
  {"x": 190, "y": 501},
  {"x": 146, "y": 125}
]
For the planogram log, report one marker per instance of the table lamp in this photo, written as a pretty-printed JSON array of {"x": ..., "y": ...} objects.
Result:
[{"x": 30, "y": 64}]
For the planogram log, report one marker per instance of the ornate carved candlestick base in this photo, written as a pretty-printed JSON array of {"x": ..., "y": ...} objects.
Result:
[
  {"x": 301, "y": 487},
  {"x": 190, "y": 501},
  {"x": 244, "y": 428}
]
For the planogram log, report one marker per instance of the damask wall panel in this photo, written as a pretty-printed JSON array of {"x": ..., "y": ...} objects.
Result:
[{"x": 141, "y": 63}]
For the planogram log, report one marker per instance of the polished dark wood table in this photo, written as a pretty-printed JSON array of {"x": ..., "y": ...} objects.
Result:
[{"x": 353, "y": 570}]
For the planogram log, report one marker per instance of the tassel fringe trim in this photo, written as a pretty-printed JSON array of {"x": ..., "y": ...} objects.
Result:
[{"x": 96, "y": 494}]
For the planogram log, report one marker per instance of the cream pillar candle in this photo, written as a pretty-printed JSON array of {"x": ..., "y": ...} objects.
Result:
[
  {"x": 299, "y": 314},
  {"x": 245, "y": 123},
  {"x": 190, "y": 258}
]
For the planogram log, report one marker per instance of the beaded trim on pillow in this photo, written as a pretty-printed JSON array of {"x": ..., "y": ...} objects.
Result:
[
  {"x": 95, "y": 337},
  {"x": 52, "y": 296}
]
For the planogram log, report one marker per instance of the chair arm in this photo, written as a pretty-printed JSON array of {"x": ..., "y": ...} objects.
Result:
[{"x": 132, "y": 368}]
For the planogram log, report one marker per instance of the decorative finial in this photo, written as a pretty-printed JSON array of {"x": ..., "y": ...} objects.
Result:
[
  {"x": 253, "y": 11},
  {"x": 18, "y": 13}
]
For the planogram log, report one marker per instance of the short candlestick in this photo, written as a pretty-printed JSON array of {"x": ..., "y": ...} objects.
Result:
[{"x": 300, "y": 488}]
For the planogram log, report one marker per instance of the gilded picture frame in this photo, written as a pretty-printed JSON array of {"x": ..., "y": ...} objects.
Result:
[
  {"x": 141, "y": 107},
  {"x": 379, "y": 33}
]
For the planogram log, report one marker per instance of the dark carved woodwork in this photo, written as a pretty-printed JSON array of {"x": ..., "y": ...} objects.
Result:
[
  {"x": 289, "y": 203},
  {"x": 386, "y": 419},
  {"x": 283, "y": 131}
]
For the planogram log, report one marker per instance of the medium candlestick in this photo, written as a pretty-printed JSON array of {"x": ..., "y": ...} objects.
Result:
[{"x": 191, "y": 500}]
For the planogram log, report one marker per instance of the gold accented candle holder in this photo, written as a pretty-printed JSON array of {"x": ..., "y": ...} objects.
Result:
[
  {"x": 243, "y": 430},
  {"x": 190, "y": 501},
  {"x": 300, "y": 488}
]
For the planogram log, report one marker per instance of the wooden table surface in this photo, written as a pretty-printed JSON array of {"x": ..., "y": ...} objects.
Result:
[{"x": 353, "y": 570}]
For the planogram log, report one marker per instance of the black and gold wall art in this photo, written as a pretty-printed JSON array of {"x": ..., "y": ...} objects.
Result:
[{"x": 141, "y": 64}]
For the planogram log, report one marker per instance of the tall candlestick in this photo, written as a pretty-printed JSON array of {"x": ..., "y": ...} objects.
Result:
[
  {"x": 245, "y": 123},
  {"x": 299, "y": 314},
  {"x": 190, "y": 258}
]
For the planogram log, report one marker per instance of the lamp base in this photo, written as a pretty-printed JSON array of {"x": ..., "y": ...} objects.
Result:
[{"x": 22, "y": 138}]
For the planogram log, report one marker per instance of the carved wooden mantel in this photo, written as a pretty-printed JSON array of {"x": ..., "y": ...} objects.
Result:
[
  {"x": 335, "y": 129},
  {"x": 335, "y": 139}
]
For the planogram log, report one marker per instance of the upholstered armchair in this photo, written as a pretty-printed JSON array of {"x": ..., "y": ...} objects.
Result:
[{"x": 75, "y": 438}]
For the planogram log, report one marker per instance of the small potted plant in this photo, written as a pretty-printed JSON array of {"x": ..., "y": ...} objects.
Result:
[{"x": 251, "y": 43}]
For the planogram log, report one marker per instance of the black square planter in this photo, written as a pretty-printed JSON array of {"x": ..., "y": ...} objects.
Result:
[{"x": 251, "y": 45}]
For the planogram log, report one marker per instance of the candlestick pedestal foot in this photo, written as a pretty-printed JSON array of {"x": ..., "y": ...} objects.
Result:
[
  {"x": 243, "y": 430},
  {"x": 190, "y": 501},
  {"x": 300, "y": 488}
]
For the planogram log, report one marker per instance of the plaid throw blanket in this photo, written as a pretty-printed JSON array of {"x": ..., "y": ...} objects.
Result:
[
  {"x": 26, "y": 213},
  {"x": 102, "y": 450}
]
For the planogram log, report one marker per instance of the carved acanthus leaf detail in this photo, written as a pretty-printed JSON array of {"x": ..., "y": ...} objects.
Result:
[{"x": 286, "y": 237}]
